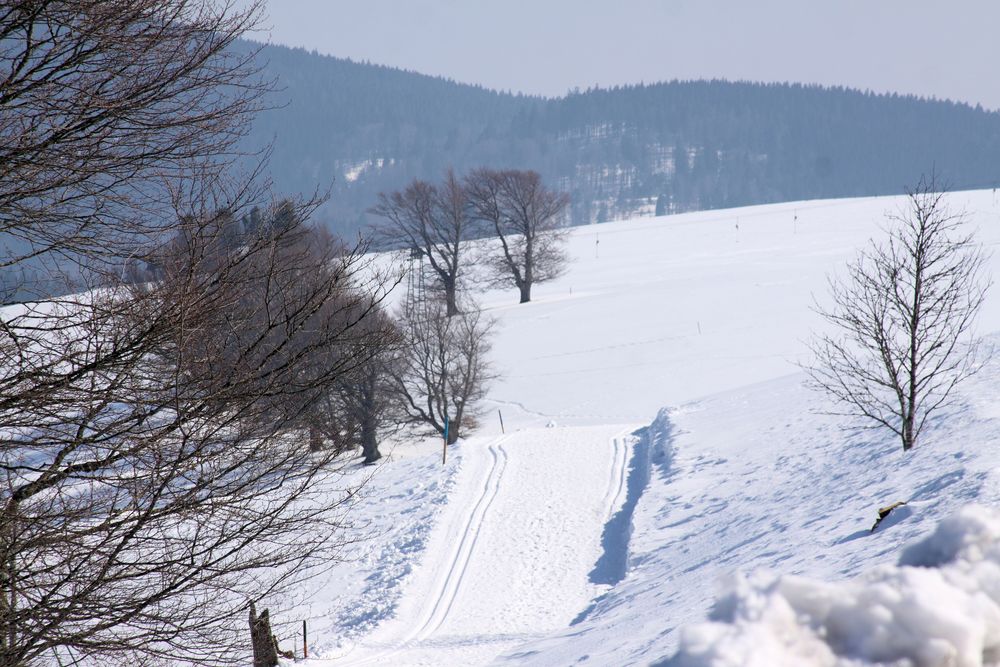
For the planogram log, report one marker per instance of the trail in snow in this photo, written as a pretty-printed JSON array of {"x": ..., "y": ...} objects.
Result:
[
  {"x": 449, "y": 579},
  {"x": 452, "y": 577},
  {"x": 509, "y": 559},
  {"x": 612, "y": 566}
]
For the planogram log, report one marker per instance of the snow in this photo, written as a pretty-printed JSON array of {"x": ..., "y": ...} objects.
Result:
[
  {"x": 753, "y": 481},
  {"x": 579, "y": 537},
  {"x": 664, "y": 310},
  {"x": 354, "y": 170},
  {"x": 939, "y": 606},
  {"x": 543, "y": 526},
  {"x": 389, "y": 524}
]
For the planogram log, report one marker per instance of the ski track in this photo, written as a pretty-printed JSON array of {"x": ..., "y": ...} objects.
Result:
[
  {"x": 447, "y": 586},
  {"x": 619, "y": 474},
  {"x": 440, "y": 632},
  {"x": 445, "y": 598}
]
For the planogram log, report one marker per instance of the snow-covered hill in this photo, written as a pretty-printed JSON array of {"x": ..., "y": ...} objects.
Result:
[{"x": 595, "y": 542}]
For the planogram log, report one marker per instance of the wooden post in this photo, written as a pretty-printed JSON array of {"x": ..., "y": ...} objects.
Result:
[
  {"x": 305, "y": 641},
  {"x": 265, "y": 648},
  {"x": 501, "y": 421},
  {"x": 444, "y": 445}
]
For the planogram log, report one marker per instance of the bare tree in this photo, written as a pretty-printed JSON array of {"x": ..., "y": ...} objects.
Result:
[
  {"x": 154, "y": 474},
  {"x": 371, "y": 402},
  {"x": 363, "y": 406},
  {"x": 97, "y": 98},
  {"x": 526, "y": 218},
  {"x": 154, "y": 465},
  {"x": 901, "y": 320},
  {"x": 431, "y": 220},
  {"x": 442, "y": 371}
]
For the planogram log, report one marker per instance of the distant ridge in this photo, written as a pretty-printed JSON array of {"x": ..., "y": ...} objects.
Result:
[{"x": 623, "y": 151}]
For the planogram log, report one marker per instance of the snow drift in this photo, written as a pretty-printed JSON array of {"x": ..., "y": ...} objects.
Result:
[{"x": 940, "y": 606}]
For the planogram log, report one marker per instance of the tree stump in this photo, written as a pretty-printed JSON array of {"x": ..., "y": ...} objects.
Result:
[{"x": 265, "y": 646}]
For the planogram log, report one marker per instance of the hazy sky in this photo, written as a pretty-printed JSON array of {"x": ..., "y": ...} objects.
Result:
[{"x": 949, "y": 49}]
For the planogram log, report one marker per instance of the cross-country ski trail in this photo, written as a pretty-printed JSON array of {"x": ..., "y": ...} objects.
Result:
[{"x": 510, "y": 556}]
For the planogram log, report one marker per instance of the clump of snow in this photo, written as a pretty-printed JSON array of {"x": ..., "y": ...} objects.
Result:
[
  {"x": 968, "y": 535},
  {"x": 940, "y": 607}
]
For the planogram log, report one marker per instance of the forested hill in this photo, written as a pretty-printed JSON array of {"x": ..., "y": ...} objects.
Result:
[{"x": 628, "y": 150}]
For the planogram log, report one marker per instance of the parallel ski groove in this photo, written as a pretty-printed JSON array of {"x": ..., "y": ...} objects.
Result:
[
  {"x": 471, "y": 528},
  {"x": 470, "y": 536},
  {"x": 444, "y": 594}
]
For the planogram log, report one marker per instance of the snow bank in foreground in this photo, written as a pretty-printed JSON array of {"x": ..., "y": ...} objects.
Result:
[{"x": 939, "y": 607}]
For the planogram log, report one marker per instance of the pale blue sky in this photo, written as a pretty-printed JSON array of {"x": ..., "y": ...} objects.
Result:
[{"x": 928, "y": 47}]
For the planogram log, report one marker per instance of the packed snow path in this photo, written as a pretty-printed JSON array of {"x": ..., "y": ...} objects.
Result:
[{"x": 510, "y": 558}]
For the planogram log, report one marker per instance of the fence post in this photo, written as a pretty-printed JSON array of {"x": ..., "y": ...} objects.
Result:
[{"x": 444, "y": 446}]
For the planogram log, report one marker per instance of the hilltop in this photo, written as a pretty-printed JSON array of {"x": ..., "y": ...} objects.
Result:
[{"x": 632, "y": 150}]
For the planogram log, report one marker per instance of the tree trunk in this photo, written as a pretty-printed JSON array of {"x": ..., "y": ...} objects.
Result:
[
  {"x": 8, "y": 587},
  {"x": 451, "y": 299},
  {"x": 368, "y": 421},
  {"x": 908, "y": 435},
  {"x": 369, "y": 443},
  {"x": 525, "y": 292},
  {"x": 315, "y": 440},
  {"x": 265, "y": 647}
]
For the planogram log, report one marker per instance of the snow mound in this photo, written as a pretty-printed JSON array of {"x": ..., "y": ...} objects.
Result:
[{"x": 940, "y": 607}]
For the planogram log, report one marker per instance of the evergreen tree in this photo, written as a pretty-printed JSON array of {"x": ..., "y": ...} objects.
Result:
[{"x": 661, "y": 205}]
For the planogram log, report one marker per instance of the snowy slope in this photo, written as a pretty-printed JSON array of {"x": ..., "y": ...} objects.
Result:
[
  {"x": 513, "y": 552},
  {"x": 751, "y": 480},
  {"x": 657, "y": 311}
]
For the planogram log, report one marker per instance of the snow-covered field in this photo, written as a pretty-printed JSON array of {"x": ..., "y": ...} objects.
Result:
[{"x": 658, "y": 443}]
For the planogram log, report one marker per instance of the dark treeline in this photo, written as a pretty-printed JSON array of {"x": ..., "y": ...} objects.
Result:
[{"x": 666, "y": 147}]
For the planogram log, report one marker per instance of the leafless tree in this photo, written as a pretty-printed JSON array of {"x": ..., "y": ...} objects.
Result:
[
  {"x": 432, "y": 220},
  {"x": 363, "y": 406},
  {"x": 442, "y": 371},
  {"x": 154, "y": 460},
  {"x": 526, "y": 218},
  {"x": 103, "y": 105},
  {"x": 902, "y": 320},
  {"x": 155, "y": 476}
]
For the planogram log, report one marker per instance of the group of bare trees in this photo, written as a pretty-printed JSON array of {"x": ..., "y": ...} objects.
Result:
[
  {"x": 183, "y": 358},
  {"x": 440, "y": 372},
  {"x": 519, "y": 218},
  {"x": 433, "y": 221},
  {"x": 517, "y": 226},
  {"x": 160, "y": 381}
]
